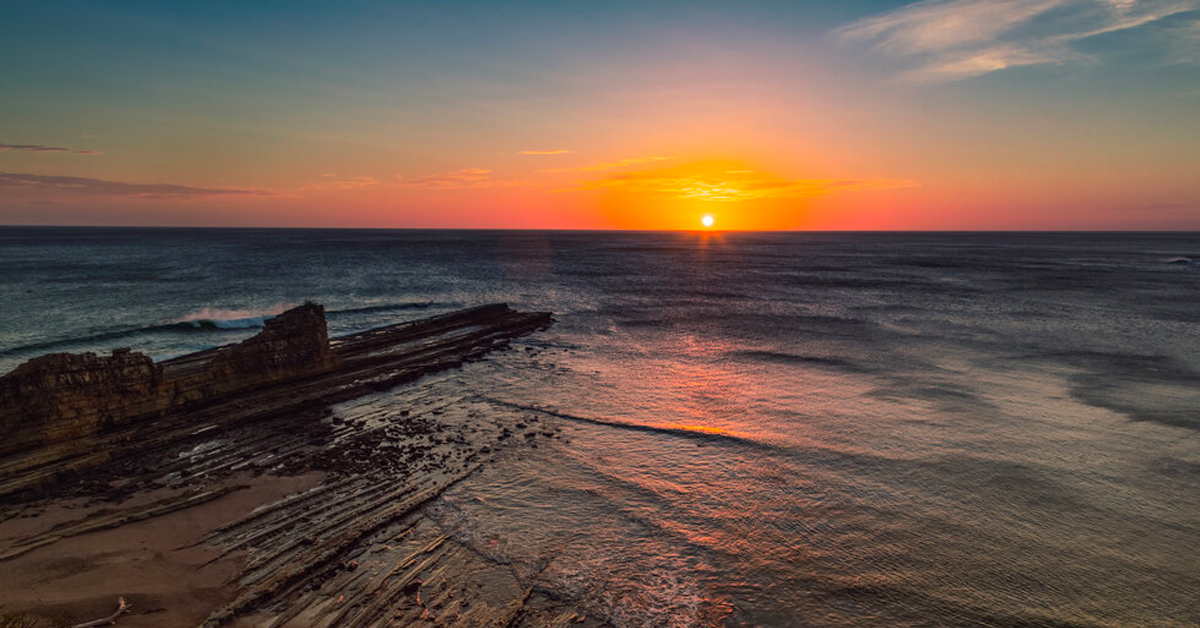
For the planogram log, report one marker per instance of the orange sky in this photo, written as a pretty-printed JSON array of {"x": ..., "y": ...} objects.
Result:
[{"x": 467, "y": 115}]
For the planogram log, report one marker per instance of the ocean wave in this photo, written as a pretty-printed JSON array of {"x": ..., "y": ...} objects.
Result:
[
  {"x": 131, "y": 332},
  {"x": 693, "y": 432},
  {"x": 62, "y": 343},
  {"x": 200, "y": 321},
  {"x": 218, "y": 318},
  {"x": 780, "y": 357},
  {"x": 388, "y": 307},
  {"x": 207, "y": 319},
  {"x": 662, "y": 585},
  {"x": 250, "y": 322}
]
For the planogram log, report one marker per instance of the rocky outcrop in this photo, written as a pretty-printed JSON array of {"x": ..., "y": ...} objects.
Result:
[
  {"x": 63, "y": 412},
  {"x": 65, "y": 397},
  {"x": 62, "y": 396},
  {"x": 290, "y": 345},
  {"x": 341, "y": 506}
]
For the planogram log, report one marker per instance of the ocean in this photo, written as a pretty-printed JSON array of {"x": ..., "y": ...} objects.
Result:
[{"x": 760, "y": 429}]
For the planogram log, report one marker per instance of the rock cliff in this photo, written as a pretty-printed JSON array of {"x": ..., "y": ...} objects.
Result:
[
  {"x": 67, "y": 397},
  {"x": 62, "y": 413},
  {"x": 63, "y": 396},
  {"x": 290, "y": 345}
]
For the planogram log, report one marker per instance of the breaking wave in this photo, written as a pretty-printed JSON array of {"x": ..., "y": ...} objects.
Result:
[
  {"x": 221, "y": 319},
  {"x": 199, "y": 321},
  {"x": 207, "y": 319}
]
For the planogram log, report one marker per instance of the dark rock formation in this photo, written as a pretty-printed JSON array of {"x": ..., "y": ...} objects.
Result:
[
  {"x": 63, "y": 396},
  {"x": 66, "y": 397},
  {"x": 62, "y": 412},
  {"x": 290, "y": 345}
]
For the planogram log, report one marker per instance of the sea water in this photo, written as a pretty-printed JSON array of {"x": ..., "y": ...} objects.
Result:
[{"x": 761, "y": 429}]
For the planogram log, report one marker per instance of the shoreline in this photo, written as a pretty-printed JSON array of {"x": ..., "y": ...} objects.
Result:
[
  {"x": 313, "y": 517},
  {"x": 282, "y": 548}
]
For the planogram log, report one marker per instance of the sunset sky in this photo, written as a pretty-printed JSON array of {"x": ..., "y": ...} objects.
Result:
[{"x": 967, "y": 114}]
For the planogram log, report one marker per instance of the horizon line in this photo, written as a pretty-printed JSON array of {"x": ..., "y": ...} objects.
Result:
[{"x": 612, "y": 230}]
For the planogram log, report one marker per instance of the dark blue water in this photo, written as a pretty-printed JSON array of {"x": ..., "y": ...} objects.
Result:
[{"x": 782, "y": 429}]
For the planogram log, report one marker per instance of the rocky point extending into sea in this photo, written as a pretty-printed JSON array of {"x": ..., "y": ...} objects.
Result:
[{"x": 279, "y": 481}]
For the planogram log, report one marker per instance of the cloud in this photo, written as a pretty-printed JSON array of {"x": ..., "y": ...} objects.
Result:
[
  {"x": 18, "y": 182},
  {"x": 1165, "y": 208},
  {"x": 38, "y": 148},
  {"x": 613, "y": 165},
  {"x": 1185, "y": 42},
  {"x": 462, "y": 179},
  {"x": 942, "y": 40},
  {"x": 333, "y": 182},
  {"x": 718, "y": 182},
  {"x": 553, "y": 151}
]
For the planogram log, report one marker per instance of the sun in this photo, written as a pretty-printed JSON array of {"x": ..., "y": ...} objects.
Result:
[{"x": 707, "y": 220}]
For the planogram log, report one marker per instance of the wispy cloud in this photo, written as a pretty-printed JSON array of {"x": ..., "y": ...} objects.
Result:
[
  {"x": 1164, "y": 208},
  {"x": 20, "y": 182},
  {"x": 611, "y": 165},
  {"x": 38, "y": 148},
  {"x": 718, "y": 183},
  {"x": 553, "y": 151},
  {"x": 1184, "y": 45},
  {"x": 333, "y": 182},
  {"x": 467, "y": 178},
  {"x": 942, "y": 40}
]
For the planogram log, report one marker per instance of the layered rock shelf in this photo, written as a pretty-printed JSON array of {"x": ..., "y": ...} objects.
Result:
[
  {"x": 62, "y": 414},
  {"x": 284, "y": 481}
]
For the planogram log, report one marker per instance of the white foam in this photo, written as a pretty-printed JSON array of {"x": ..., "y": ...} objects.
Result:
[{"x": 232, "y": 319}]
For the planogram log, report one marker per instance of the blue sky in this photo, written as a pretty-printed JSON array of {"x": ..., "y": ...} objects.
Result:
[{"x": 996, "y": 103}]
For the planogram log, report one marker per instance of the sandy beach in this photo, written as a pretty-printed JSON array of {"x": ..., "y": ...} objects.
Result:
[
  {"x": 337, "y": 536},
  {"x": 151, "y": 562},
  {"x": 258, "y": 500}
]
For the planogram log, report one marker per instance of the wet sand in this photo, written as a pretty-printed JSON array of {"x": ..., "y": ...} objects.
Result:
[
  {"x": 149, "y": 562},
  {"x": 316, "y": 519}
]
